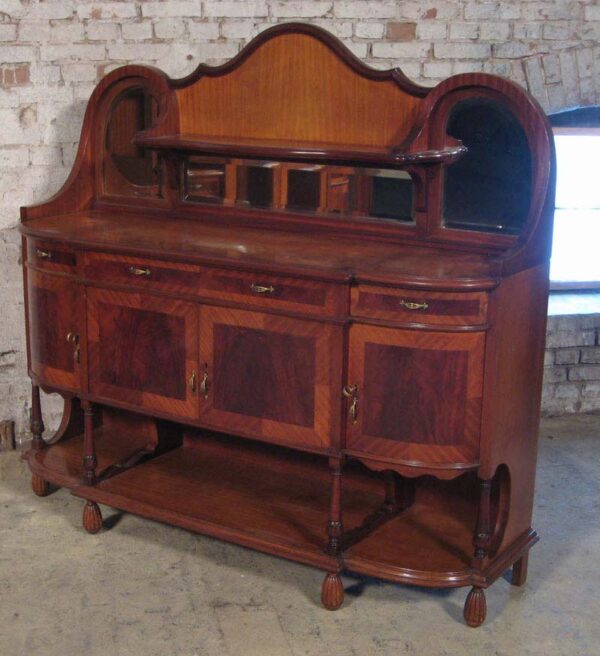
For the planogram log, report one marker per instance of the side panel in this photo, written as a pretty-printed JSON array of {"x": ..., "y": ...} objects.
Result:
[{"x": 54, "y": 304}]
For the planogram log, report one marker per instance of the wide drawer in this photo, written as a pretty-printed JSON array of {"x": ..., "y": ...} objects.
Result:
[
  {"x": 244, "y": 287},
  {"x": 50, "y": 256},
  {"x": 435, "y": 308}
]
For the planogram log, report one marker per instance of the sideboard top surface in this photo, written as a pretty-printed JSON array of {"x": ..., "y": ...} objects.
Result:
[{"x": 326, "y": 257}]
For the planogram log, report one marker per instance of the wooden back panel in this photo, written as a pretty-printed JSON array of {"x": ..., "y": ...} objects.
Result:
[{"x": 298, "y": 86}]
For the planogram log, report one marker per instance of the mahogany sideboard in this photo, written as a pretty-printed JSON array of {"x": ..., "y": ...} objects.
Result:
[{"x": 299, "y": 304}]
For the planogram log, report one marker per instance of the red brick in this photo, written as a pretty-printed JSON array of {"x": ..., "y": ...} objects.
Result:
[
  {"x": 401, "y": 31},
  {"x": 22, "y": 74}
]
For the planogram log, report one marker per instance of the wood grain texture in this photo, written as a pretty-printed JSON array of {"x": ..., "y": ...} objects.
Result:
[
  {"x": 419, "y": 396},
  {"x": 274, "y": 376},
  {"x": 429, "y": 308},
  {"x": 54, "y": 305},
  {"x": 252, "y": 319},
  {"x": 261, "y": 98},
  {"x": 278, "y": 252},
  {"x": 131, "y": 338}
]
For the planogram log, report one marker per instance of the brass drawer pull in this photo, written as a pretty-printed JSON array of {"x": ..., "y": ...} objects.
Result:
[
  {"x": 45, "y": 255},
  {"x": 73, "y": 338},
  {"x": 204, "y": 383},
  {"x": 261, "y": 289},
  {"x": 192, "y": 381},
  {"x": 136, "y": 271},
  {"x": 409, "y": 305},
  {"x": 351, "y": 392}
]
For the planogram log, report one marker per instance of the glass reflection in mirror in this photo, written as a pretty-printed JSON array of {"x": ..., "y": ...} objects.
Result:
[
  {"x": 129, "y": 169},
  {"x": 308, "y": 188},
  {"x": 489, "y": 188}
]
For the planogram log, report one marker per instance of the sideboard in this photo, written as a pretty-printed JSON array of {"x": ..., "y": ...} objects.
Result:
[{"x": 299, "y": 304}]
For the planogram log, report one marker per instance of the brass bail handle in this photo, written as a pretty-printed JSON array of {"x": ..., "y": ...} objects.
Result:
[
  {"x": 262, "y": 289},
  {"x": 204, "y": 383},
  {"x": 411, "y": 305},
  {"x": 351, "y": 392},
  {"x": 73, "y": 338},
  {"x": 139, "y": 271}
]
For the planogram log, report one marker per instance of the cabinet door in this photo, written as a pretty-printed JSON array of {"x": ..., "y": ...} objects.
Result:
[
  {"x": 54, "y": 314},
  {"x": 418, "y": 395},
  {"x": 270, "y": 377},
  {"x": 143, "y": 350}
]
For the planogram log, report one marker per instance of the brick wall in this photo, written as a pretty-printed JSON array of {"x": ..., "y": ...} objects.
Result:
[
  {"x": 53, "y": 52},
  {"x": 572, "y": 365}
]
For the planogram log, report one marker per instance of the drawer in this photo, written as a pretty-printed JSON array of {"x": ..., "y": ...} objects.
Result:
[
  {"x": 269, "y": 291},
  {"x": 50, "y": 256},
  {"x": 246, "y": 288},
  {"x": 403, "y": 305},
  {"x": 142, "y": 272}
]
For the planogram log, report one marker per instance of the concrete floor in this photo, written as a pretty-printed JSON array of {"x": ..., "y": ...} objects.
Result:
[{"x": 145, "y": 589}]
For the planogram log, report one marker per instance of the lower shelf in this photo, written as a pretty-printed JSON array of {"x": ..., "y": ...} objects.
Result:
[{"x": 276, "y": 500}]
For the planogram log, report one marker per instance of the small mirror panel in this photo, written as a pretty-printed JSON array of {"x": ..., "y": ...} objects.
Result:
[
  {"x": 256, "y": 184},
  {"x": 366, "y": 193},
  {"x": 129, "y": 169},
  {"x": 204, "y": 179},
  {"x": 304, "y": 188},
  {"x": 489, "y": 188}
]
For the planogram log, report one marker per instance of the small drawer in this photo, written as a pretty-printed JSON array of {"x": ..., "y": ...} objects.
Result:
[
  {"x": 269, "y": 291},
  {"x": 50, "y": 256},
  {"x": 142, "y": 272},
  {"x": 435, "y": 308}
]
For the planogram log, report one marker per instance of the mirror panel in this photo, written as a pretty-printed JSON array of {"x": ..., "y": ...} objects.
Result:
[
  {"x": 318, "y": 189},
  {"x": 129, "y": 169},
  {"x": 204, "y": 180},
  {"x": 489, "y": 188}
]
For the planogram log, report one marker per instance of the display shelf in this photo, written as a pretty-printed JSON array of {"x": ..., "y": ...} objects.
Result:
[{"x": 275, "y": 149}]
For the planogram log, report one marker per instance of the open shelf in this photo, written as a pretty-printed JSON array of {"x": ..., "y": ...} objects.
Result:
[
  {"x": 62, "y": 463},
  {"x": 296, "y": 150},
  {"x": 276, "y": 500},
  {"x": 429, "y": 544},
  {"x": 268, "y": 498}
]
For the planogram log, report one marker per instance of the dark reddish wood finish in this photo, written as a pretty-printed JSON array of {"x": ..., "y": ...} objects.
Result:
[
  {"x": 419, "y": 398},
  {"x": 351, "y": 340}
]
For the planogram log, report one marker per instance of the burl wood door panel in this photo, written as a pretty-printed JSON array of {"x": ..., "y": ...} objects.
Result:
[
  {"x": 269, "y": 376},
  {"x": 418, "y": 395},
  {"x": 143, "y": 350},
  {"x": 54, "y": 311}
]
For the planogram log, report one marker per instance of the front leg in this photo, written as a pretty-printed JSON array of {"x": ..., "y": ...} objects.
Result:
[
  {"x": 332, "y": 590},
  {"x": 89, "y": 450},
  {"x": 92, "y": 517}
]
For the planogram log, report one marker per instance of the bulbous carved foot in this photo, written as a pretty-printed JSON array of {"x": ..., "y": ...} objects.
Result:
[
  {"x": 332, "y": 592},
  {"x": 92, "y": 517},
  {"x": 40, "y": 487},
  {"x": 475, "y": 607}
]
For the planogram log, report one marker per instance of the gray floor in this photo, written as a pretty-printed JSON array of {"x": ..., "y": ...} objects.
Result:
[{"x": 145, "y": 589}]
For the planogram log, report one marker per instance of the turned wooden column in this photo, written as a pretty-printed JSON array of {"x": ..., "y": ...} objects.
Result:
[
  {"x": 475, "y": 605},
  {"x": 39, "y": 486},
  {"x": 332, "y": 590},
  {"x": 89, "y": 450},
  {"x": 37, "y": 422},
  {"x": 92, "y": 517},
  {"x": 399, "y": 492}
]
